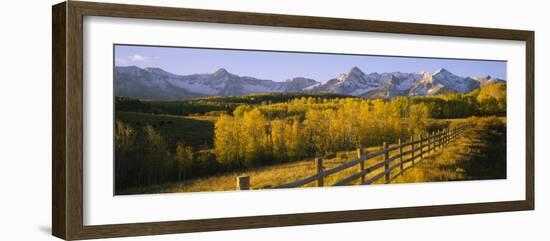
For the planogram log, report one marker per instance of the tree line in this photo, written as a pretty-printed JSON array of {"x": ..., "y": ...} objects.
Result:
[
  {"x": 312, "y": 126},
  {"x": 143, "y": 158},
  {"x": 265, "y": 134}
]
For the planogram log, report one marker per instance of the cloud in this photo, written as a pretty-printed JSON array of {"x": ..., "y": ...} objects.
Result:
[{"x": 138, "y": 58}]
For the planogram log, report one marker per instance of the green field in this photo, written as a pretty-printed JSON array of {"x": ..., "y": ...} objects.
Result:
[{"x": 196, "y": 131}]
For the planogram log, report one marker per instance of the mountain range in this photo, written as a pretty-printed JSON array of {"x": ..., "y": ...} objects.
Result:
[{"x": 155, "y": 83}]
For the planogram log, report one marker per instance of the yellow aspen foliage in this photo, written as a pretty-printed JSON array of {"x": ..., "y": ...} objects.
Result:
[
  {"x": 257, "y": 145},
  {"x": 278, "y": 139},
  {"x": 492, "y": 99},
  {"x": 418, "y": 116},
  {"x": 305, "y": 127},
  {"x": 227, "y": 141}
]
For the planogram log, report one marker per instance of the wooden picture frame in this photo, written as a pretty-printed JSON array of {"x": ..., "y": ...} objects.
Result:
[{"x": 67, "y": 152}]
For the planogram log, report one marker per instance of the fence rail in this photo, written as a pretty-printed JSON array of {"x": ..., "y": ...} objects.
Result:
[{"x": 418, "y": 148}]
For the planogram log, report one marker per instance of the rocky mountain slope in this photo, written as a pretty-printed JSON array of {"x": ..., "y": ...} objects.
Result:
[{"x": 155, "y": 83}]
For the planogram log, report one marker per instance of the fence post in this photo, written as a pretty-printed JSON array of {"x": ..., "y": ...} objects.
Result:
[
  {"x": 400, "y": 153},
  {"x": 243, "y": 182},
  {"x": 437, "y": 138},
  {"x": 361, "y": 164},
  {"x": 451, "y": 138},
  {"x": 452, "y": 133},
  {"x": 421, "y": 146},
  {"x": 319, "y": 168},
  {"x": 387, "y": 164},
  {"x": 442, "y": 137},
  {"x": 446, "y": 141},
  {"x": 429, "y": 140},
  {"x": 455, "y": 134},
  {"x": 446, "y": 136},
  {"x": 431, "y": 147},
  {"x": 442, "y": 140},
  {"x": 412, "y": 148}
]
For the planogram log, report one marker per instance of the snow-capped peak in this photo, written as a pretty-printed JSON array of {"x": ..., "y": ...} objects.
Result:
[
  {"x": 162, "y": 84},
  {"x": 342, "y": 77},
  {"x": 443, "y": 80},
  {"x": 355, "y": 82}
]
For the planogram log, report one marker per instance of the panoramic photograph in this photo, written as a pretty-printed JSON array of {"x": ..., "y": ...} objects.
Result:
[{"x": 190, "y": 119}]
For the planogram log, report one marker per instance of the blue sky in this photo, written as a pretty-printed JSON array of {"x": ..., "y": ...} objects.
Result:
[{"x": 279, "y": 66}]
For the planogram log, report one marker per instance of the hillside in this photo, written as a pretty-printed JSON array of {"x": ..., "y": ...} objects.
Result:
[
  {"x": 213, "y": 105},
  {"x": 455, "y": 104}
]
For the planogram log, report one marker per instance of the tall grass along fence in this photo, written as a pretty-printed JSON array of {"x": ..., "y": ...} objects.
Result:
[{"x": 412, "y": 151}]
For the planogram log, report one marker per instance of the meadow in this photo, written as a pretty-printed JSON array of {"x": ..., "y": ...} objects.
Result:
[
  {"x": 466, "y": 159},
  {"x": 203, "y": 144},
  {"x": 195, "y": 131}
]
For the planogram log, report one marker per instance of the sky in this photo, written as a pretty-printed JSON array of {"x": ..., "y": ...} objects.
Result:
[{"x": 280, "y": 66}]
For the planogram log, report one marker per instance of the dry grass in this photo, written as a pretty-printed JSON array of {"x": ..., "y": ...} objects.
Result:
[
  {"x": 479, "y": 154},
  {"x": 272, "y": 176},
  {"x": 260, "y": 178}
]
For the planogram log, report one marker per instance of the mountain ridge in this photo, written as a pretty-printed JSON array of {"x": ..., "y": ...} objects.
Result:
[{"x": 156, "y": 83}]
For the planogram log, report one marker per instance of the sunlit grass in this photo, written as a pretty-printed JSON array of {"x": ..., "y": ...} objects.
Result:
[
  {"x": 272, "y": 176},
  {"x": 479, "y": 154}
]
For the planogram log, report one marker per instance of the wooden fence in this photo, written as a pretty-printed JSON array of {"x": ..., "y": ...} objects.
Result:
[{"x": 418, "y": 149}]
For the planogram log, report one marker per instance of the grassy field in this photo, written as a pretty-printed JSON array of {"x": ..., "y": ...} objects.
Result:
[
  {"x": 193, "y": 131},
  {"x": 477, "y": 154},
  {"x": 173, "y": 146},
  {"x": 263, "y": 177}
]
